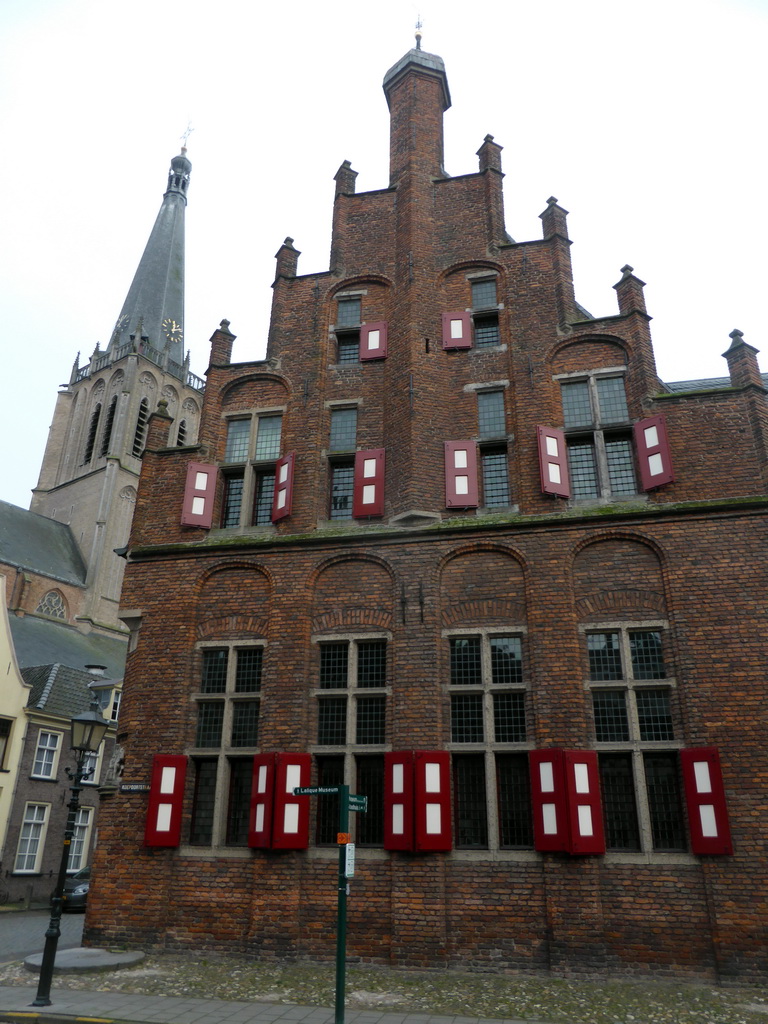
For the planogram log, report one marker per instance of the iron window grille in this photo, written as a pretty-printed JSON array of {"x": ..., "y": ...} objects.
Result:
[
  {"x": 487, "y": 694},
  {"x": 351, "y": 696},
  {"x": 342, "y": 481},
  {"x": 633, "y": 720},
  {"x": 355, "y": 667},
  {"x": 495, "y": 476},
  {"x": 365, "y": 775},
  {"x": 227, "y": 725}
]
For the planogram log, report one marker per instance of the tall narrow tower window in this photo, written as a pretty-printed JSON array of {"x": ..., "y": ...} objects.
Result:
[
  {"x": 92, "y": 430},
  {"x": 485, "y": 314},
  {"x": 181, "y": 437},
  {"x": 140, "y": 433},
  {"x": 106, "y": 437}
]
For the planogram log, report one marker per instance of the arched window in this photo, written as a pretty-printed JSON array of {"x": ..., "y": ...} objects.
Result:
[
  {"x": 141, "y": 428},
  {"x": 92, "y": 429},
  {"x": 181, "y": 437},
  {"x": 106, "y": 437},
  {"x": 52, "y": 604}
]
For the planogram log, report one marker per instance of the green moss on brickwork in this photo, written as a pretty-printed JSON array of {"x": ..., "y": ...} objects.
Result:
[{"x": 489, "y": 522}]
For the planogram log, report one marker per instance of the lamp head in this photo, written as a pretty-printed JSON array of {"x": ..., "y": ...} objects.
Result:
[{"x": 89, "y": 729}]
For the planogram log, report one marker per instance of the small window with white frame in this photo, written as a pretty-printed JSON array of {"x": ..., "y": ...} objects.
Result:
[
  {"x": 29, "y": 850},
  {"x": 81, "y": 840},
  {"x": 631, "y": 691},
  {"x": 46, "y": 759},
  {"x": 226, "y": 738},
  {"x": 92, "y": 766},
  {"x": 489, "y": 740},
  {"x": 601, "y": 459}
]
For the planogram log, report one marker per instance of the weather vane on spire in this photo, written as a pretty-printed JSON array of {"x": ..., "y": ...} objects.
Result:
[
  {"x": 418, "y": 31},
  {"x": 187, "y": 132}
]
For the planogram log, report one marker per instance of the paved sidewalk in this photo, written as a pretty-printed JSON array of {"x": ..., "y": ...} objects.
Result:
[{"x": 121, "y": 1006}]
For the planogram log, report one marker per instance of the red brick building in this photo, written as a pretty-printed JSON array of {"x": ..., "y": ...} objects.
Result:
[{"x": 455, "y": 544}]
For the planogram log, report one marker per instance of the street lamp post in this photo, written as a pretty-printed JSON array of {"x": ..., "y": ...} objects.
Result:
[{"x": 88, "y": 731}]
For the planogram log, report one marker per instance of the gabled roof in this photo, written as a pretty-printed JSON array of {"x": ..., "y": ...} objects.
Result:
[
  {"x": 59, "y": 690},
  {"x": 40, "y": 545},
  {"x": 41, "y": 641}
]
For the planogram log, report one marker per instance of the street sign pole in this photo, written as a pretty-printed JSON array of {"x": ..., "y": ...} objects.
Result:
[
  {"x": 341, "y": 930},
  {"x": 347, "y": 803}
]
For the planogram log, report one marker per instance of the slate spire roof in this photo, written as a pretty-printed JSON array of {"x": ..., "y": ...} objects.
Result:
[{"x": 153, "y": 312}]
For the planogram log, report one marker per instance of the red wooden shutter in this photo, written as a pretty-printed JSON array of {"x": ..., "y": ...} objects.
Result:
[
  {"x": 282, "y": 502},
  {"x": 432, "y": 800},
  {"x": 705, "y": 796},
  {"x": 461, "y": 474},
  {"x": 166, "y": 800},
  {"x": 553, "y": 462},
  {"x": 368, "y": 490},
  {"x": 373, "y": 341},
  {"x": 262, "y": 793},
  {"x": 290, "y": 814},
  {"x": 398, "y": 800},
  {"x": 199, "y": 494},
  {"x": 457, "y": 330},
  {"x": 548, "y": 794},
  {"x": 653, "y": 453},
  {"x": 585, "y": 813}
]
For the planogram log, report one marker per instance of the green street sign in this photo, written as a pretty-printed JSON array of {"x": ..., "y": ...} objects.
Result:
[
  {"x": 358, "y": 803},
  {"x": 315, "y": 790}
]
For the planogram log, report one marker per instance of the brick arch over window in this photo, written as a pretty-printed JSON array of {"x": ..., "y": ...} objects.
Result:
[
  {"x": 234, "y": 602},
  {"x": 482, "y": 587},
  {"x": 618, "y": 579},
  {"x": 353, "y": 592},
  {"x": 262, "y": 390},
  {"x": 587, "y": 354}
]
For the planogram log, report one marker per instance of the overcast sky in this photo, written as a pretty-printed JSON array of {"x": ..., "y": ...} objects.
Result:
[{"x": 646, "y": 121}]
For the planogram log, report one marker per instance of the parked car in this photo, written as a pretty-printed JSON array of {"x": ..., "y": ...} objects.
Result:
[{"x": 76, "y": 890}]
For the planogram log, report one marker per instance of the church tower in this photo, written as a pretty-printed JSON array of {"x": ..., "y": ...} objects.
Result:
[{"x": 92, "y": 459}]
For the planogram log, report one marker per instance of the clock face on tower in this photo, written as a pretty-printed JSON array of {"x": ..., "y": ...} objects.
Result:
[
  {"x": 172, "y": 329},
  {"x": 122, "y": 323}
]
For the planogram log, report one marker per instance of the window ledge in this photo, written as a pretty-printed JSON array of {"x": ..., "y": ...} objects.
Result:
[
  {"x": 216, "y": 852},
  {"x": 618, "y": 499}
]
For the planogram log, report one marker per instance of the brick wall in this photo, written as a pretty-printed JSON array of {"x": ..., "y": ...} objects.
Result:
[{"x": 685, "y": 559}]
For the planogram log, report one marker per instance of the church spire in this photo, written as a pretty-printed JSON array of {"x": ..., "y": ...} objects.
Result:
[{"x": 153, "y": 312}]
